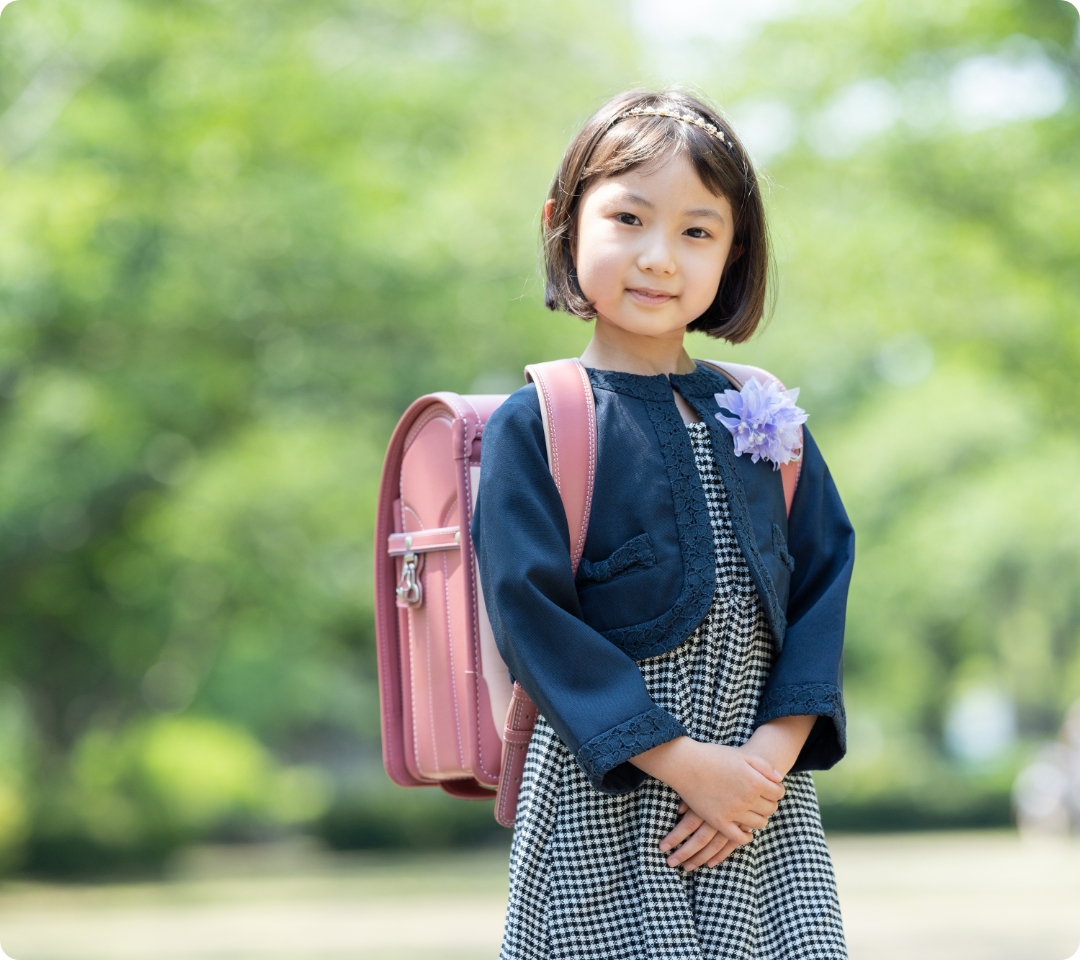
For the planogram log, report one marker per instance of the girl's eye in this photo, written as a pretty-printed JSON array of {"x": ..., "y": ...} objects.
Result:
[
  {"x": 698, "y": 233},
  {"x": 628, "y": 218}
]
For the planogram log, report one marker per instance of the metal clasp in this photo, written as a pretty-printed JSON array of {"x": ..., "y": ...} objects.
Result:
[{"x": 408, "y": 589}]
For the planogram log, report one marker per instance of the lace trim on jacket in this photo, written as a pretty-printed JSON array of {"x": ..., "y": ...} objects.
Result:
[{"x": 604, "y": 757}]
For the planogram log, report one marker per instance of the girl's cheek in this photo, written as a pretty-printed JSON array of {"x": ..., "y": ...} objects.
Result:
[
  {"x": 707, "y": 273},
  {"x": 599, "y": 275}
]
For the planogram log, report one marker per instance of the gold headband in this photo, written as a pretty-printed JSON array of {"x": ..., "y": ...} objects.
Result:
[{"x": 684, "y": 117}]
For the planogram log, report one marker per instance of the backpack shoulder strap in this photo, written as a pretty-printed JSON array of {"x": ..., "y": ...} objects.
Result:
[
  {"x": 738, "y": 374},
  {"x": 569, "y": 414},
  {"x": 568, "y": 410}
]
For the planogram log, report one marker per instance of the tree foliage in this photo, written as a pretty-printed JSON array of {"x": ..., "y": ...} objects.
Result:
[{"x": 237, "y": 238}]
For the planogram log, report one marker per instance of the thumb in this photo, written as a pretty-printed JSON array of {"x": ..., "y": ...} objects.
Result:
[{"x": 765, "y": 768}]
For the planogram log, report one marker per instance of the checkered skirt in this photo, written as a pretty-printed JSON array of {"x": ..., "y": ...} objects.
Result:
[{"x": 587, "y": 879}]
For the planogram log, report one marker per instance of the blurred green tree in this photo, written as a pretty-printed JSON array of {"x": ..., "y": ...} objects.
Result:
[
  {"x": 926, "y": 220},
  {"x": 237, "y": 238}
]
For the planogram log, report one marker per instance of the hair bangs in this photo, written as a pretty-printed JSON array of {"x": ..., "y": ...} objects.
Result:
[{"x": 640, "y": 141}]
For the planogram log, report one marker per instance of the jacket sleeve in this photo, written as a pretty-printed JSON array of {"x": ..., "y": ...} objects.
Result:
[
  {"x": 591, "y": 693},
  {"x": 806, "y": 677}
]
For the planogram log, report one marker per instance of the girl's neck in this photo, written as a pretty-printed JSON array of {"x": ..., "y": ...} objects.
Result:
[{"x": 614, "y": 348}]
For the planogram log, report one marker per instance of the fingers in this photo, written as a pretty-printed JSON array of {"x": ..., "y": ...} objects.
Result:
[
  {"x": 683, "y": 829},
  {"x": 763, "y": 807},
  {"x": 772, "y": 791},
  {"x": 752, "y": 821},
  {"x": 699, "y": 840},
  {"x": 728, "y": 849},
  {"x": 683, "y": 807},
  {"x": 763, "y": 767},
  {"x": 771, "y": 788},
  {"x": 712, "y": 849},
  {"x": 735, "y": 834}
]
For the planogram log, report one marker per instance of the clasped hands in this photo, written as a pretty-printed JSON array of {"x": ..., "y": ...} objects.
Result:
[
  {"x": 725, "y": 791},
  {"x": 717, "y": 816}
]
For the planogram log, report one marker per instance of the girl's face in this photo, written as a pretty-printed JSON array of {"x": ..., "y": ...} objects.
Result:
[{"x": 651, "y": 246}]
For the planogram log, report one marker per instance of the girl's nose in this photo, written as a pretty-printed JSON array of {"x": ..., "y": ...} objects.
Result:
[{"x": 657, "y": 255}]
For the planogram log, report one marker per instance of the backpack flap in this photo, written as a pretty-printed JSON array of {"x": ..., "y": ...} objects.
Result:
[{"x": 438, "y": 722}]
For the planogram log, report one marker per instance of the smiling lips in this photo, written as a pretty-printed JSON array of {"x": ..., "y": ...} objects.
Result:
[{"x": 649, "y": 297}]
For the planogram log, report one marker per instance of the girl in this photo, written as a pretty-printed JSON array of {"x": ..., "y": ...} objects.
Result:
[{"x": 689, "y": 677}]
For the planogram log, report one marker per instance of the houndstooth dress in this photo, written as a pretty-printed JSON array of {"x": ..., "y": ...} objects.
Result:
[{"x": 587, "y": 879}]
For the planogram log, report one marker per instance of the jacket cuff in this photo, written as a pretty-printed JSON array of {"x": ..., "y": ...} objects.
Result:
[
  {"x": 604, "y": 758},
  {"x": 827, "y": 742}
]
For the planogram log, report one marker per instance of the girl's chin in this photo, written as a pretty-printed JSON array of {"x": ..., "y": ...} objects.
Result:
[{"x": 645, "y": 324}]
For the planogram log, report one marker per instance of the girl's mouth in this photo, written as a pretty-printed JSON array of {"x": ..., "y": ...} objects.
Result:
[{"x": 649, "y": 298}]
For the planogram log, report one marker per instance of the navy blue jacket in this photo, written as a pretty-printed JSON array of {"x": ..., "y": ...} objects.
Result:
[{"x": 648, "y": 573}]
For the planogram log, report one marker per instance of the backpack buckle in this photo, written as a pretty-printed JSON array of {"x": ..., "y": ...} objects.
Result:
[{"x": 409, "y": 592}]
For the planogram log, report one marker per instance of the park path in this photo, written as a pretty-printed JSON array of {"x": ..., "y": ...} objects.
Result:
[{"x": 984, "y": 896}]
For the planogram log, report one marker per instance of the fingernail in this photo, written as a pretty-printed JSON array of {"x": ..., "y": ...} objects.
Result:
[{"x": 664, "y": 848}]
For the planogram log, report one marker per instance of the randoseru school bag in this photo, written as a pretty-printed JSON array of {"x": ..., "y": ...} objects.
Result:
[{"x": 450, "y": 715}]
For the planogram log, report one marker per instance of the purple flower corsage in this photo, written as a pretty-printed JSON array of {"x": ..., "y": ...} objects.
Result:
[{"x": 766, "y": 421}]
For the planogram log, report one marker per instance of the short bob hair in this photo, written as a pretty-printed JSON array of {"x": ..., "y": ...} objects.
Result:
[{"x": 608, "y": 146}]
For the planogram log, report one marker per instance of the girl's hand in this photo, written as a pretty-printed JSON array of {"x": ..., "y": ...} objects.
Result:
[
  {"x": 701, "y": 842},
  {"x": 779, "y": 741},
  {"x": 698, "y": 838},
  {"x": 734, "y": 791},
  {"x": 730, "y": 789}
]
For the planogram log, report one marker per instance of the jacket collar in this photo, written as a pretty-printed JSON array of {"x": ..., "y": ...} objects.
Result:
[{"x": 702, "y": 383}]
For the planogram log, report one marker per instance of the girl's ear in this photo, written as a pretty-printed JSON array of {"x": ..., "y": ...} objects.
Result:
[
  {"x": 549, "y": 211},
  {"x": 736, "y": 251}
]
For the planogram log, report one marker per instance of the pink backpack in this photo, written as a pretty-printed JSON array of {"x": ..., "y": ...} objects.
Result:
[{"x": 450, "y": 716}]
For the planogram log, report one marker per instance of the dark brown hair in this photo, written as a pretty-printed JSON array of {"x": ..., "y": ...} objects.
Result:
[{"x": 606, "y": 148}]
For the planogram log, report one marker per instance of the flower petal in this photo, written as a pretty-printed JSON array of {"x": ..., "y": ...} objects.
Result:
[{"x": 764, "y": 421}]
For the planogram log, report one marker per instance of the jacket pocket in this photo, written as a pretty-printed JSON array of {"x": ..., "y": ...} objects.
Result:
[
  {"x": 634, "y": 553},
  {"x": 779, "y": 545}
]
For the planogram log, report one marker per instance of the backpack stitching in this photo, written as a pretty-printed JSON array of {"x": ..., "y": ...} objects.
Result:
[
  {"x": 473, "y": 573},
  {"x": 590, "y": 405},
  {"x": 431, "y": 698},
  {"x": 450, "y": 653}
]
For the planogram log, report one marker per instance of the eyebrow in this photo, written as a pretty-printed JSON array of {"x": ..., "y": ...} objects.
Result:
[
  {"x": 705, "y": 212},
  {"x": 709, "y": 212},
  {"x": 629, "y": 197}
]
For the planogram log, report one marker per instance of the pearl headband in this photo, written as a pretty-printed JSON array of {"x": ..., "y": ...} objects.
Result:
[{"x": 684, "y": 117}]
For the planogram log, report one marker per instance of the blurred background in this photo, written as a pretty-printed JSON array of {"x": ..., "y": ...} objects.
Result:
[{"x": 237, "y": 237}]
